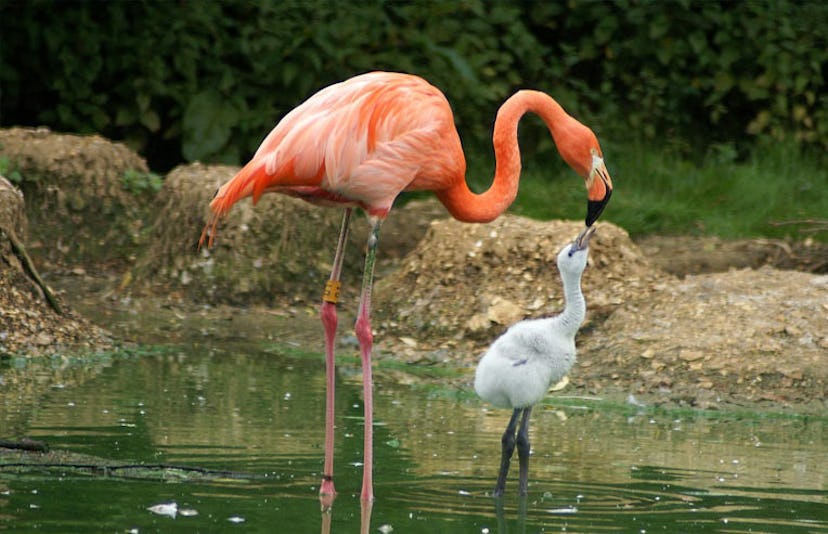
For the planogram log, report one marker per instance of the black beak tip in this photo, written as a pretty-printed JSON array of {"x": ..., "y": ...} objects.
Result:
[
  {"x": 594, "y": 210},
  {"x": 596, "y": 207}
]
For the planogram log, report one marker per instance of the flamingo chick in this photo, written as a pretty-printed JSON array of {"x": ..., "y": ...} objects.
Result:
[{"x": 532, "y": 355}]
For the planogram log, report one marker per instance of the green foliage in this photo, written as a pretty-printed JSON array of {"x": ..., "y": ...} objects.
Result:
[
  {"x": 716, "y": 70},
  {"x": 214, "y": 80},
  {"x": 8, "y": 170},
  {"x": 176, "y": 81},
  {"x": 139, "y": 183}
]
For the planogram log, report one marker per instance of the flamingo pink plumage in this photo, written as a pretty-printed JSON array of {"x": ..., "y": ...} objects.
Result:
[{"x": 360, "y": 143}]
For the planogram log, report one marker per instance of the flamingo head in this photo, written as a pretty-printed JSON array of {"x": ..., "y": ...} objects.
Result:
[
  {"x": 599, "y": 187},
  {"x": 579, "y": 147}
]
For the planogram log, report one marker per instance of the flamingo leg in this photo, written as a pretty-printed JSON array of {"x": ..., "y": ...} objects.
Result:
[
  {"x": 523, "y": 452},
  {"x": 366, "y": 339},
  {"x": 329, "y": 321},
  {"x": 508, "y": 447}
]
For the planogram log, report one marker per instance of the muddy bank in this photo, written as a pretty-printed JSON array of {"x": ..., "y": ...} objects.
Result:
[{"x": 689, "y": 320}]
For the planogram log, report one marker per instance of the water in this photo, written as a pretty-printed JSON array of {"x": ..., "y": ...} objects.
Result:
[{"x": 259, "y": 414}]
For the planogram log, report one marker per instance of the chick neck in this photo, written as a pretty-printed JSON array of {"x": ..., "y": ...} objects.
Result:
[{"x": 574, "y": 304}]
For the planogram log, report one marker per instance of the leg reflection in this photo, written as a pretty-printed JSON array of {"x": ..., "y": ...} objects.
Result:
[
  {"x": 365, "y": 516},
  {"x": 366, "y": 506},
  {"x": 502, "y": 516},
  {"x": 326, "y": 520}
]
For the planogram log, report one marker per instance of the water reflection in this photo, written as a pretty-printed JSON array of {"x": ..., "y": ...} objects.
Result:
[
  {"x": 500, "y": 513},
  {"x": 326, "y": 503},
  {"x": 436, "y": 458}
]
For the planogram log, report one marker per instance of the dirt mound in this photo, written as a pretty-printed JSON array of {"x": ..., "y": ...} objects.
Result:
[
  {"x": 275, "y": 252},
  {"x": 756, "y": 334},
  {"x": 28, "y": 322},
  {"x": 86, "y": 197},
  {"x": 28, "y": 325},
  {"x": 468, "y": 282},
  {"x": 12, "y": 211}
]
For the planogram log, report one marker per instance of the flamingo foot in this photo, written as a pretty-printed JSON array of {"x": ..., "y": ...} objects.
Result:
[{"x": 327, "y": 493}]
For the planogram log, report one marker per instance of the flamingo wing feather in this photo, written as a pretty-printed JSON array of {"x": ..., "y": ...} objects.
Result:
[{"x": 358, "y": 142}]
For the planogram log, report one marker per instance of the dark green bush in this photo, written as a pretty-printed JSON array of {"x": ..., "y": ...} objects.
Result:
[
  {"x": 718, "y": 70},
  {"x": 207, "y": 80}
]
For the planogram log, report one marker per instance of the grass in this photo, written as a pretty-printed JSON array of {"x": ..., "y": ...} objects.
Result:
[{"x": 657, "y": 192}]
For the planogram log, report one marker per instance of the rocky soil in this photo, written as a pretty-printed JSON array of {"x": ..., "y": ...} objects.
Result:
[{"x": 695, "y": 321}]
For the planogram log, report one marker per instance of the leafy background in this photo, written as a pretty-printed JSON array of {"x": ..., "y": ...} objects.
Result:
[{"x": 184, "y": 81}]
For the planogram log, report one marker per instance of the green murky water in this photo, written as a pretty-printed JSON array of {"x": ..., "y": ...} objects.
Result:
[{"x": 259, "y": 414}]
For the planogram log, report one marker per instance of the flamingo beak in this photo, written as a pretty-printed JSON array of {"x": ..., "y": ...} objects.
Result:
[
  {"x": 582, "y": 241},
  {"x": 599, "y": 190}
]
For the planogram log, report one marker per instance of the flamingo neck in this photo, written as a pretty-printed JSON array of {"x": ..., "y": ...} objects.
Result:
[{"x": 467, "y": 206}]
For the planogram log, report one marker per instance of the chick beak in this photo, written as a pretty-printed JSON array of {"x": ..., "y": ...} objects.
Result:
[{"x": 582, "y": 241}]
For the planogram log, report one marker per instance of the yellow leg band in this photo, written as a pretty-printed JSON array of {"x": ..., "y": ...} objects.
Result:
[{"x": 331, "y": 293}]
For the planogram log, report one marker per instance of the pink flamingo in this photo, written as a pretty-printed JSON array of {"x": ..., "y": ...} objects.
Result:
[{"x": 360, "y": 143}]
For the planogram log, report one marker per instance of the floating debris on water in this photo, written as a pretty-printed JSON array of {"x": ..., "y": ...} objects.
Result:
[
  {"x": 168, "y": 509},
  {"x": 567, "y": 510}
]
